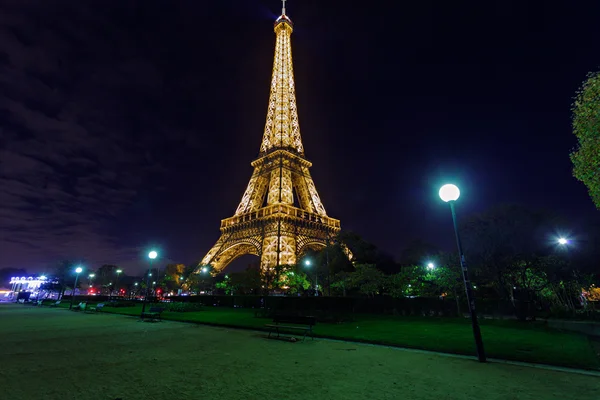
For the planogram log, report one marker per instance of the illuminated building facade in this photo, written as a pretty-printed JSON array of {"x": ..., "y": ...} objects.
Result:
[{"x": 27, "y": 284}]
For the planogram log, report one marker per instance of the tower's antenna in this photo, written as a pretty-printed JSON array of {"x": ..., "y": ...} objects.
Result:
[{"x": 283, "y": 8}]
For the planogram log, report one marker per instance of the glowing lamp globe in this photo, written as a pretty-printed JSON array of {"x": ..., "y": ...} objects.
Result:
[
  {"x": 563, "y": 241},
  {"x": 449, "y": 192},
  {"x": 307, "y": 262},
  {"x": 78, "y": 270},
  {"x": 152, "y": 255}
]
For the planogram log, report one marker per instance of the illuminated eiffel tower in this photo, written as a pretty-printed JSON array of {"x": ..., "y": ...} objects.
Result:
[{"x": 267, "y": 222}]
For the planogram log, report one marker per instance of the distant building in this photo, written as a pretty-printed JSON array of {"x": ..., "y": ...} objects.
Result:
[{"x": 25, "y": 286}]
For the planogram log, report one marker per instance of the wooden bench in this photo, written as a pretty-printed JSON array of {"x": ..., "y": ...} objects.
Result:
[
  {"x": 292, "y": 322},
  {"x": 153, "y": 313},
  {"x": 79, "y": 307},
  {"x": 97, "y": 308}
]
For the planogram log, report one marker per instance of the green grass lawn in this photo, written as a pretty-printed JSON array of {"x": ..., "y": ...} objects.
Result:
[
  {"x": 54, "y": 354},
  {"x": 503, "y": 339}
]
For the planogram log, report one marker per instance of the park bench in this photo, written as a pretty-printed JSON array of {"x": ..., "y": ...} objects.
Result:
[
  {"x": 97, "y": 308},
  {"x": 292, "y": 322},
  {"x": 153, "y": 313},
  {"x": 55, "y": 304},
  {"x": 79, "y": 307}
]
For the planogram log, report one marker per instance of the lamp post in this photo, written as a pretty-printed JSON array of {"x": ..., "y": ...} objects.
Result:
[
  {"x": 152, "y": 255},
  {"x": 77, "y": 272},
  {"x": 450, "y": 193},
  {"x": 308, "y": 263},
  {"x": 90, "y": 281},
  {"x": 117, "y": 281},
  {"x": 431, "y": 266}
]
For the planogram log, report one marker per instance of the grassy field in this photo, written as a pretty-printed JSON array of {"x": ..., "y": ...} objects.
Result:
[
  {"x": 54, "y": 354},
  {"x": 509, "y": 340}
]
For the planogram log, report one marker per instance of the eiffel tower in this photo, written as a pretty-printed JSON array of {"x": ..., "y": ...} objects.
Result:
[{"x": 268, "y": 223}]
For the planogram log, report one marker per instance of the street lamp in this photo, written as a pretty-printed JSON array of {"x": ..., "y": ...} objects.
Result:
[
  {"x": 563, "y": 241},
  {"x": 117, "y": 281},
  {"x": 450, "y": 193},
  {"x": 152, "y": 255},
  {"x": 430, "y": 266},
  {"x": 77, "y": 272},
  {"x": 308, "y": 264}
]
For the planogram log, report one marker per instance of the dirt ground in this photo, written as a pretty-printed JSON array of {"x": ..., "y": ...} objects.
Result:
[{"x": 58, "y": 354}]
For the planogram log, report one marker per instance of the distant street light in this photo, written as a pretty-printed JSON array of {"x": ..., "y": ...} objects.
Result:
[
  {"x": 431, "y": 266},
  {"x": 450, "y": 193},
  {"x": 116, "y": 287},
  {"x": 563, "y": 241},
  {"x": 77, "y": 272},
  {"x": 204, "y": 269},
  {"x": 308, "y": 264},
  {"x": 152, "y": 255}
]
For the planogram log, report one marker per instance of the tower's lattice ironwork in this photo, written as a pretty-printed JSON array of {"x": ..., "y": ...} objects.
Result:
[{"x": 280, "y": 215}]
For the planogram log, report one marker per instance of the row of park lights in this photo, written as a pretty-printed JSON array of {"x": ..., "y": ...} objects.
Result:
[
  {"x": 152, "y": 255},
  {"x": 448, "y": 193},
  {"x": 78, "y": 270}
]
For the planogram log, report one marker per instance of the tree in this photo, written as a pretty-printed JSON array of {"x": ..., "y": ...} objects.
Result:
[
  {"x": 290, "y": 278},
  {"x": 367, "y": 279},
  {"x": 418, "y": 252},
  {"x": 504, "y": 241},
  {"x": 201, "y": 281},
  {"x": 586, "y": 126},
  {"x": 64, "y": 273},
  {"x": 363, "y": 252},
  {"x": 174, "y": 276},
  {"x": 326, "y": 263},
  {"x": 106, "y": 277},
  {"x": 249, "y": 281},
  {"x": 448, "y": 277},
  {"x": 342, "y": 281}
]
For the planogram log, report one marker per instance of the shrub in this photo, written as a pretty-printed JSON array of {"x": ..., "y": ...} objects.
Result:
[{"x": 182, "y": 307}]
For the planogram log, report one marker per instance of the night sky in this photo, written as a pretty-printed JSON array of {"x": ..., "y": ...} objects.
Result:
[{"x": 126, "y": 125}]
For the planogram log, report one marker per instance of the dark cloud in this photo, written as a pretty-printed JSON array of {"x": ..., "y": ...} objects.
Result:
[{"x": 73, "y": 152}]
